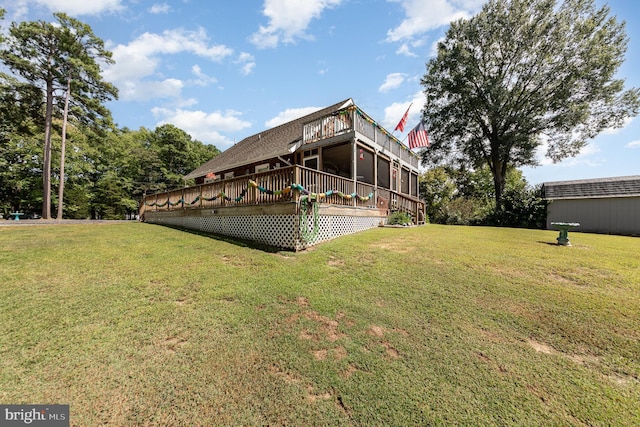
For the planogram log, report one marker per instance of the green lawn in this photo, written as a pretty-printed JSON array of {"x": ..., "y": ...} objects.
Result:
[{"x": 136, "y": 324}]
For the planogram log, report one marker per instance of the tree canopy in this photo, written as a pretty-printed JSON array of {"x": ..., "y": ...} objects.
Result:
[
  {"x": 50, "y": 56},
  {"x": 521, "y": 74},
  {"x": 109, "y": 169}
]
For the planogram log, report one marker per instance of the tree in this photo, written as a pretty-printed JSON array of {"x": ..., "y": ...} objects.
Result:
[
  {"x": 52, "y": 57},
  {"x": 179, "y": 153},
  {"x": 20, "y": 164},
  {"x": 437, "y": 189},
  {"x": 520, "y": 74}
]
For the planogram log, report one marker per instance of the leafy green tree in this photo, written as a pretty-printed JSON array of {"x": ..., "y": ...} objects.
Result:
[
  {"x": 54, "y": 57},
  {"x": 179, "y": 153},
  {"x": 437, "y": 189},
  {"x": 522, "y": 73},
  {"x": 20, "y": 163}
]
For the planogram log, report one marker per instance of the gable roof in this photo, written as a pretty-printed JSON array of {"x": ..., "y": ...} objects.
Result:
[
  {"x": 624, "y": 186},
  {"x": 277, "y": 141}
]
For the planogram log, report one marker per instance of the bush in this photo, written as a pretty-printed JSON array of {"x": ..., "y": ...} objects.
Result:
[
  {"x": 525, "y": 208},
  {"x": 399, "y": 218}
]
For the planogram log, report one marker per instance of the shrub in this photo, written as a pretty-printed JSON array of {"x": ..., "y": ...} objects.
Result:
[{"x": 399, "y": 218}]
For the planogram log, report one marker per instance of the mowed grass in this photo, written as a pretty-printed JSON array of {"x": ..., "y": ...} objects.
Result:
[{"x": 137, "y": 324}]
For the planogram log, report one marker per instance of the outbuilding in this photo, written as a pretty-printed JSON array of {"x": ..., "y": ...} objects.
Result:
[{"x": 604, "y": 205}]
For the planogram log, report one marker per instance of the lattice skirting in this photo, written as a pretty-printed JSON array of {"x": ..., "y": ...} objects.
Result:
[{"x": 279, "y": 230}]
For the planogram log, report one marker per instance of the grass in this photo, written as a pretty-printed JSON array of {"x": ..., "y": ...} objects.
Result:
[{"x": 136, "y": 324}]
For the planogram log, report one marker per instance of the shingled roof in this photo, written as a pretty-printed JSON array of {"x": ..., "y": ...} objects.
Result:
[
  {"x": 624, "y": 186},
  {"x": 274, "y": 142}
]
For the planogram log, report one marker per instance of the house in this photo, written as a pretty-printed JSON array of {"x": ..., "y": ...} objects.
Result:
[
  {"x": 333, "y": 172},
  {"x": 605, "y": 205}
]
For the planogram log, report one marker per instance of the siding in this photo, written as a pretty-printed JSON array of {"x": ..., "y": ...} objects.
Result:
[{"x": 615, "y": 215}]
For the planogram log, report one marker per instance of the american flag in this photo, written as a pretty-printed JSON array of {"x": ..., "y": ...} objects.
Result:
[
  {"x": 418, "y": 137},
  {"x": 403, "y": 120}
]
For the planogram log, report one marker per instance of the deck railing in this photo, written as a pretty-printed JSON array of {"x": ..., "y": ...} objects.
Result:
[
  {"x": 351, "y": 119},
  {"x": 287, "y": 184}
]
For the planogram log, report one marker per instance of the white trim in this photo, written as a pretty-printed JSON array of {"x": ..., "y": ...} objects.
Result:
[{"x": 262, "y": 168}]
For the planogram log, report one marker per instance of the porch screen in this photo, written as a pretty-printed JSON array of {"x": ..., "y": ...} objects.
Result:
[
  {"x": 404, "y": 185},
  {"x": 336, "y": 160},
  {"x": 365, "y": 165},
  {"x": 384, "y": 173},
  {"x": 414, "y": 185}
]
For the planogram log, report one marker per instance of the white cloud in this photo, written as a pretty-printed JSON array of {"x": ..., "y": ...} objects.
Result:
[
  {"x": 393, "y": 81},
  {"x": 202, "y": 78},
  {"x": 405, "y": 50},
  {"x": 203, "y": 126},
  {"x": 288, "y": 20},
  {"x": 160, "y": 8},
  {"x": 247, "y": 62},
  {"x": 633, "y": 144},
  {"x": 141, "y": 58},
  {"x": 290, "y": 114},
  {"x": 613, "y": 131},
  {"x": 585, "y": 157},
  {"x": 82, "y": 7},
  {"x": 425, "y": 15},
  {"x": 434, "y": 47},
  {"x": 146, "y": 90},
  {"x": 394, "y": 112}
]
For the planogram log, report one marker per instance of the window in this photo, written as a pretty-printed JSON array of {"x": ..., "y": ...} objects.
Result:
[
  {"x": 262, "y": 168},
  {"x": 228, "y": 175},
  {"x": 414, "y": 184},
  {"x": 336, "y": 160},
  {"x": 384, "y": 172},
  {"x": 365, "y": 165},
  {"x": 404, "y": 184},
  {"x": 312, "y": 162}
]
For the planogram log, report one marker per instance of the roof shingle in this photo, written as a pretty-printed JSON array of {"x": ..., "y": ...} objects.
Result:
[
  {"x": 267, "y": 144},
  {"x": 625, "y": 186}
]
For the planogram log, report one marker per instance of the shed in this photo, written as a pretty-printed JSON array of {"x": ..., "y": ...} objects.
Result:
[{"x": 603, "y": 205}]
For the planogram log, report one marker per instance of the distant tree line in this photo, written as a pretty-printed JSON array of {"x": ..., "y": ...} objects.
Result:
[{"x": 56, "y": 132}]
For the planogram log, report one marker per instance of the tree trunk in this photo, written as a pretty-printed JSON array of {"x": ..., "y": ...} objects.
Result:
[
  {"x": 46, "y": 169},
  {"x": 498, "y": 183},
  {"x": 62, "y": 149}
]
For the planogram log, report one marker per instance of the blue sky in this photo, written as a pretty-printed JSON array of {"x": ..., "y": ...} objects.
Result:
[{"x": 226, "y": 70}]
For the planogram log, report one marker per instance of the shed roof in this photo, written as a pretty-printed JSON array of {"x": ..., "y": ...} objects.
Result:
[
  {"x": 278, "y": 141},
  {"x": 624, "y": 186}
]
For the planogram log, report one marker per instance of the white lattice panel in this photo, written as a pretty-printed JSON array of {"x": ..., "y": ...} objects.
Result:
[{"x": 283, "y": 231}]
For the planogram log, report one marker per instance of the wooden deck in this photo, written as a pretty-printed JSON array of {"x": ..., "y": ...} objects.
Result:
[{"x": 285, "y": 185}]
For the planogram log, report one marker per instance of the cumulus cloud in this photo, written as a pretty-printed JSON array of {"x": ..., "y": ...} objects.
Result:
[
  {"x": 147, "y": 90},
  {"x": 588, "y": 156},
  {"x": 290, "y": 114},
  {"x": 203, "y": 126},
  {"x": 394, "y": 112},
  {"x": 633, "y": 144},
  {"x": 141, "y": 58},
  {"x": 425, "y": 15},
  {"x": 613, "y": 131},
  {"x": 247, "y": 63},
  {"x": 160, "y": 8},
  {"x": 82, "y": 7},
  {"x": 202, "y": 79},
  {"x": 288, "y": 21},
  {"x": 393, "y": 81},
  {"x": 405, "y": 50}
]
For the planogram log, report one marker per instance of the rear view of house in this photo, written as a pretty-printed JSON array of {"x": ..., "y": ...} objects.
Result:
[
  {"x": 605, "y": 205},
  {"x": 330, "y": 173}
]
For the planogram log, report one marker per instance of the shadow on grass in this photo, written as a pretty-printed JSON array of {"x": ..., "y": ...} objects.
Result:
[
  {"x": 232, "y": 240},
  {"x": 549, "y": 243}
]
